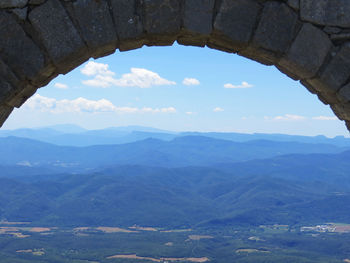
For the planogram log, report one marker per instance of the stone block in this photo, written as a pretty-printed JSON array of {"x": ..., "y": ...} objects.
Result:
[
  {"x": 308, "y": 87},
  {"x": 287, "y": 72},
  {"x": 234, "y": 24},
  {"x": 17, "y": 50},
  {"x": 59, "y": 36},
  {"x": 277, "y": 28},
  {"x": 325, "y": 96},
  {"x": 295, "y": 4},
  {"x": 6, "y": 90},
  {"x": 13, "y": 3},
  {"x": 344, "y": 93},
  {"x": 335, "y": 73},
  {"x": 161, "y": 20},
  {"x": 342, "y": 110},
  {"x": 197, "y": 22},
  {"x": 332, "y": 29},
  {"x": 5, "y": 111},
  {"x": 343, "y": 37},
  {"x": 274, "y": 34},
  {"x": 260, "y": 55},
  {"x": 21, "y": 13},
  {"x": 10, "y": 85},
  {"x": 326, "y": 12},
  {"x": 36, "y": 2},
  {"x": 20, "y": 98},
  {"x": 7, "y": 74},
  {"x": 307, "y": 53},
  {"x": 96, "y": 26},
  {"x": 161, "y": 16},
  {"x": 128, "y": 23}
]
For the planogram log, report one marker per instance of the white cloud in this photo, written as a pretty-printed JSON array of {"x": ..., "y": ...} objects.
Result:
[
  {"x": 292, "y": 117},
  {"x": 44, "y": 104},
  {"x": 191, "y": 82},
  {"x": 138, "y": 77},
  {"x": 168, "y": 110},
  {"x": 190, "y": 113},
  {"x": 286, "y": 117},
  {"x": 93, "y": 68},
  {"x": 244, "y": 85},
  {"x": 325, "y": 118},
  {"x": 61, "y": 86},
  {"x": 99, "y": 81},
  {"x": 218, "y": 109},
  {"x": 158, "y": 110},
  {"x": 141, "y": 78}
]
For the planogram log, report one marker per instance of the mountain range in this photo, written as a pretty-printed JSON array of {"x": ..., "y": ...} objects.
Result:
[
  {"x": 187, "y": 180},
  {"x": 179, "y": 152},
  {"x": 73, "y": 135}
]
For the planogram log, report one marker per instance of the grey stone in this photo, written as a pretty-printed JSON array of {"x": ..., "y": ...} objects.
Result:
[
  {"x": 344, "y": 93},
  {"x": 17, "y": 50},
  {"x": 10, "y": 85},
  {"x": 7, "y": 74},
  {"x": 336, "y": 72},
  {"x": 198, "y": 16},
  {"x": 197, "y": 22},
  {"x": 36, "y": 2},
  {"x": 234, "y": 24},
  {"x": 5, "y": 111},
  {"x": 260, "y": 55},
  {"x": 287, "y": 72},
  {"x": 274, "y": 34},
  {"x": 13, "y": 3},
  {"x": 161, "y": 16},
  {"x": 326, "y": 12},
  {"x": 96, "y": 26},
  {"x": 307, "y": 53},
  {"x": 340, "y": 37},
  {"x": 277, "y": 27},
  {"x": 61, "y": 39},
  {"x": 6, "y": 90},
  {"x": 342, "y": 110},
  {"x": 128, "y": 23},
  {"x": 294, "y": 4},
  {"x": 161, "y": 20},
  {"x": 308, "y": 87},
  {"x": 22, "y": 96},
  {"x": 21, "y": 13},
  {"x": 324, "y": 94},
  {"x": 332, "y": 29}
]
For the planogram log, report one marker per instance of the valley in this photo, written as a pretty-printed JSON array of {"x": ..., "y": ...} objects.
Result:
[{"x": 224, "y": 244}]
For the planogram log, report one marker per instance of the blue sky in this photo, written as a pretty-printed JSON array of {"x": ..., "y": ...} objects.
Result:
[{"x": 179, "y": 88}]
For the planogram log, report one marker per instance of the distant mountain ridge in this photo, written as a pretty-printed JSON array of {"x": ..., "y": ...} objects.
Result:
[
  {"x": 179, "y": 152},
  {"x": 72, "y": 135}
]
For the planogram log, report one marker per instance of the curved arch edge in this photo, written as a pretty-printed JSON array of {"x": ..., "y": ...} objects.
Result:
[{"x": 42, "y": 39}]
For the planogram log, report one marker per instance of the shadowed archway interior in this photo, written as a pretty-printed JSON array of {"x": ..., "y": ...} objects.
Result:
[{"x": 307, "y": 40}]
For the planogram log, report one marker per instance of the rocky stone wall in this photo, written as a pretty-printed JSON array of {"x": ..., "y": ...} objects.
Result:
[{"x": 308, "y": 40}]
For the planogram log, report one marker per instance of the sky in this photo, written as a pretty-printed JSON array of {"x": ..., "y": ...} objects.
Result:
[{"x": 179, "y": 88}]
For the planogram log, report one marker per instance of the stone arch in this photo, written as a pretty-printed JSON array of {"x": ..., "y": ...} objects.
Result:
[{"x": 308, "y": 40}]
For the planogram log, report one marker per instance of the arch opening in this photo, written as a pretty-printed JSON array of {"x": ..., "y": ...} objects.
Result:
[{"x": 178, "y": 88}]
